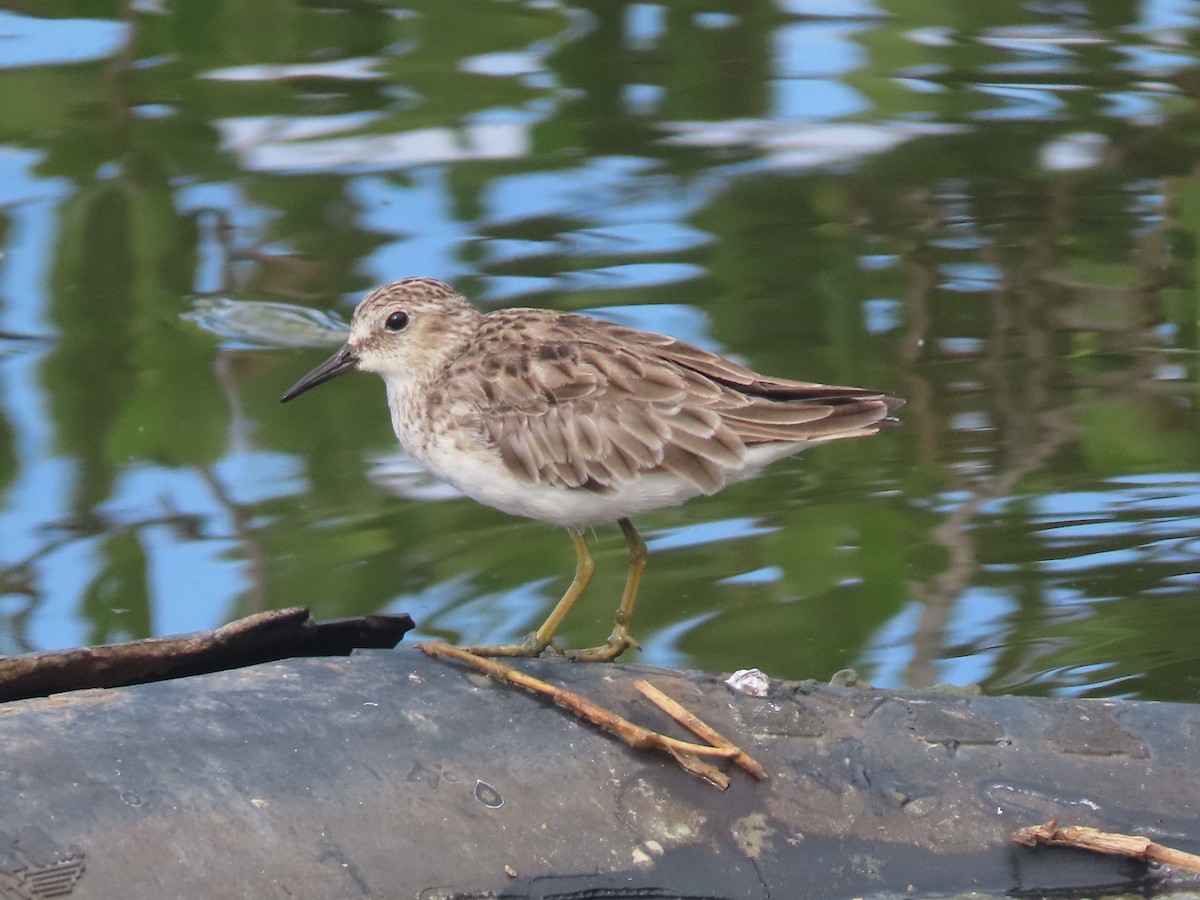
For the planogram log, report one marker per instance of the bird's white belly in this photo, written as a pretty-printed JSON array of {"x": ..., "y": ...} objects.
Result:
[{"x": 483, "y": 477}]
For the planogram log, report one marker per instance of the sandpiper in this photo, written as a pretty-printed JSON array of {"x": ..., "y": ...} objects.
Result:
[{"x": 576, "y": 421}]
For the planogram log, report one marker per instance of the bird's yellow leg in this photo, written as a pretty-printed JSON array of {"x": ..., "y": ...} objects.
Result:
[
  {"x": 585, "y": 568},
  {"x": 537, "y": 642},
  {"x": 621, "y": 640}
]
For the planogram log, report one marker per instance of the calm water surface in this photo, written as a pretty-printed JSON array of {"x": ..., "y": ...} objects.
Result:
[{"x": 990, "y": 209}]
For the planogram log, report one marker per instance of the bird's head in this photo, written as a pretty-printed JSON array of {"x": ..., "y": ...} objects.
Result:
[{"x": 405, "y": 331}]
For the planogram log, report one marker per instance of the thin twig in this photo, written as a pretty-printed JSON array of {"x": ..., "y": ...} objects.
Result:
[
  {"x": 700, "y": 728},
  {"x": 631, "y": 734},
  {"x": 1083, "y": 837}
]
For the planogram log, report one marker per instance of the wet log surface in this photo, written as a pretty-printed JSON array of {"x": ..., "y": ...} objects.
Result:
[{"x": 389, "y": 774}]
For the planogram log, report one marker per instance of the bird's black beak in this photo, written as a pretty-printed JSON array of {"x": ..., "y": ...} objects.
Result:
[{"x": 342, "y": 361}]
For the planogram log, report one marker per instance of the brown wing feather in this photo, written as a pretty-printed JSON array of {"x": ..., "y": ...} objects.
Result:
[{"x": 593, "y": 405}]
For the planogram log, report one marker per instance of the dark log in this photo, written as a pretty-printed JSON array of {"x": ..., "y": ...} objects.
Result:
[
  {"x": 262, "y": 637},
  {"x": 388, "y": 774}
]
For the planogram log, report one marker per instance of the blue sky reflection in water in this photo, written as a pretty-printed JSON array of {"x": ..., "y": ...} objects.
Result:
[{"x": 990, "y": 211}]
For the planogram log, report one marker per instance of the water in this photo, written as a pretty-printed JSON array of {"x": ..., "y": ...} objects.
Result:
[{"x": 991, "y": 210}]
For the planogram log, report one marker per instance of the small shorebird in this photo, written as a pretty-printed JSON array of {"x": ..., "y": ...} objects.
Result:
[{"x": 576, "y": 421}]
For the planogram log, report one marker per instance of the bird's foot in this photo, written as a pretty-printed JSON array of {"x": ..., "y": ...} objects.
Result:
[
  {"x": 618, "y": 642},
  {"x": 532, "y": 646}
]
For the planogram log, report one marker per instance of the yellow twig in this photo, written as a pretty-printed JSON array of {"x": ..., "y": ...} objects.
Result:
[
  {"x": 633, "y": 735},
  {"x": 1130, "y": 845},
  {"x": 700, "y": 728}
]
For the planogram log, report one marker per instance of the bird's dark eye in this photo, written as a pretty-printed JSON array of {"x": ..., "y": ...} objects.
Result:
[{"x": 397, "y": 321}]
